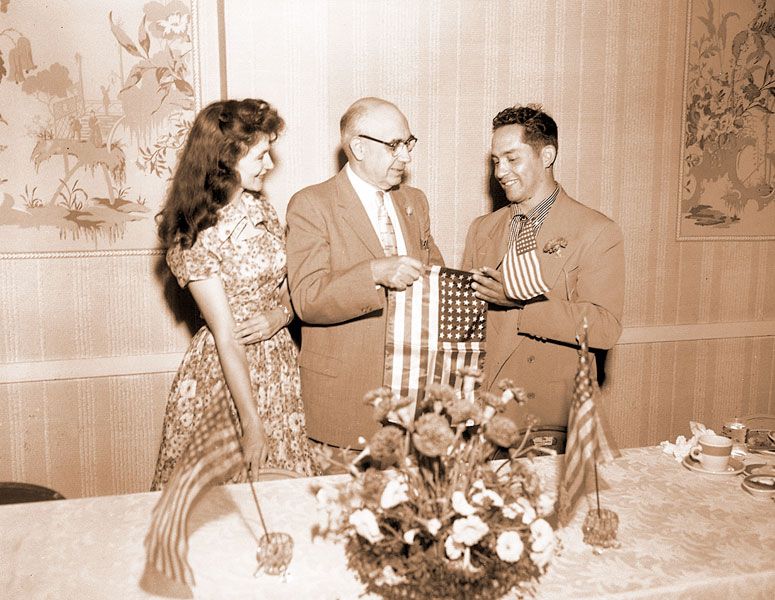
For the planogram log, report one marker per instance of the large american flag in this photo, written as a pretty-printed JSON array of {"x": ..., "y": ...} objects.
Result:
[
  {"x": 587, "y": 443},
  {"x": 434, "y": 328},
  {"x": 211, "y": 456}
]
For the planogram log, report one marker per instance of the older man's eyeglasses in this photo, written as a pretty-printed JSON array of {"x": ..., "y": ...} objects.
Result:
[{"x": 396, "y": 145}]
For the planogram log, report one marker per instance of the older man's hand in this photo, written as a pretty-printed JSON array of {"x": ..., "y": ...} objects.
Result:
[{"x": 396, "y": 272}]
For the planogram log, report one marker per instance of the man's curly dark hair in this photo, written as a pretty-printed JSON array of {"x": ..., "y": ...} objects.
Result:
[{"x": 539, "y": 129}]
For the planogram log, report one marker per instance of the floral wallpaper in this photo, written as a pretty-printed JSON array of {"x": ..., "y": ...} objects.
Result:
[
  {"x": 95, "y": 100},
  {"x": 728, "y": 171}
]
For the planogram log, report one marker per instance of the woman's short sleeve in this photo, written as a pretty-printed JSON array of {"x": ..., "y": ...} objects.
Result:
[{"x": 195, "y": 263}]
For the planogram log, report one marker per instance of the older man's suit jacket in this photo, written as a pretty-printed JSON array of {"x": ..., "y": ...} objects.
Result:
[
  {"x": 330, "y": 245},
  {"x": 535, "y": 344}
]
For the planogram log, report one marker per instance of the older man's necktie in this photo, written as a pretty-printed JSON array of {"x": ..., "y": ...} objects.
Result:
[
  {"x": 387, "y": 235},
  {"x": 522, "y": 278}
]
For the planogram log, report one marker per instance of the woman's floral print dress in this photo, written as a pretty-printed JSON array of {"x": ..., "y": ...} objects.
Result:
[{"x": 252, "y": 271}]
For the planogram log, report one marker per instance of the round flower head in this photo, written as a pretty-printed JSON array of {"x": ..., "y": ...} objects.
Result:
[
  {"x": 509, "y": 546},
  {"x": 452, "y": 549},
  {"x": 461, "y": 411},
  {"x": 469, "y": 530},
  {"x": 432, "y": 435},
  {"x": 542, "y": 548},
  {"x": 441, "y": 393},
  {"x": 395, "y": 493},
  {"x": 385, "y": 446},
  {"x": 382, "y": 401},
  {"x": 372, "y": 485},
  {"x": 365, "y": 524},
  {"x": 501, "y": 431}
]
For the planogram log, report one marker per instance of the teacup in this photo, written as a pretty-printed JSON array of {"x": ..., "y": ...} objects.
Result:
[{"x": 713, "y": 452}]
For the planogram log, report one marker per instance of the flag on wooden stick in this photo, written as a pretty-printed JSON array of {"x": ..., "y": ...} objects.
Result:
[
  {"x": 587, "y": 443},
  {"x": 435, "y": 328},
  {"x": 212, "y": 455}
]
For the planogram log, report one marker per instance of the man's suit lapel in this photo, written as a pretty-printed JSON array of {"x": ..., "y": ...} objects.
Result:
[
  {"x": 555, "y": 226},
  {"x": 351, "y": 211},
  {"x": 494, "y": 240},
  {"x": 407, "y": 222}
]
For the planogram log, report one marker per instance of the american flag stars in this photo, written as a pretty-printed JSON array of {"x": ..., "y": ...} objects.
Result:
[{"x": 463, "y": 316}]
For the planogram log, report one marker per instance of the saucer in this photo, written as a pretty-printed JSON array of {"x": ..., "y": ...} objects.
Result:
[
  {"x": 760, "y": 486},
  {"x": 760, "y": 469},
  {"x": 733, "y": 468}
]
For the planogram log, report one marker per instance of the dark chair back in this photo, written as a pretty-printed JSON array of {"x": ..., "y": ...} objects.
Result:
[{"x": 14, "y": 492}]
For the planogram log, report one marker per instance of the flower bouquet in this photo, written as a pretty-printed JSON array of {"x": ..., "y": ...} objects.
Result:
[{"x": 427, "y": 513}]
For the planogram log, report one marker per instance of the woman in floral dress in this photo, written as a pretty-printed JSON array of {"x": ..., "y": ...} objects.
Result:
[{"x": 225, "y": 243}]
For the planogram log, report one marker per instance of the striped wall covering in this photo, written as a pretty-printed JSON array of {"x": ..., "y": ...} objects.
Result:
[{"x": 699, "y": 316}]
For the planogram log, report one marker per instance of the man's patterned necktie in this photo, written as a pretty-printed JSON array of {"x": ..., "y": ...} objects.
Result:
[{"x": 387, "y": 235}]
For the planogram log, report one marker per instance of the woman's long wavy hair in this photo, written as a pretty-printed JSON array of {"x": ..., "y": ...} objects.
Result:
[{"x": 206, "y": 178}]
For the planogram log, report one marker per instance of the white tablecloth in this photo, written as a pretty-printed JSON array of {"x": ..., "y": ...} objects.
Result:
[{"x": 683, "y": 535}]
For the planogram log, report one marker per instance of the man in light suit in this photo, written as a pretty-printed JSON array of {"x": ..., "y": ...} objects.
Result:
[
  {"x": 350, "y": 239},
  {"x": 576, "y": 268}
]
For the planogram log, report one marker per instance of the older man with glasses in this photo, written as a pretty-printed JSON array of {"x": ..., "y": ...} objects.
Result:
[{"x": 350, "y": 239}]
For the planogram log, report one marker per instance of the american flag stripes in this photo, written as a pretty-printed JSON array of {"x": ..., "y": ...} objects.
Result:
[
  {"x": 211, "y": 456},
  {"x": 434, "y": 328},
  {"x": 522, "y": 279},
  {"x": 587, "y": 443}
]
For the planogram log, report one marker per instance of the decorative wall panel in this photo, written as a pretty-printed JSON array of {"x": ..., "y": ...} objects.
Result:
[
  {"x": 728, "y": 168},
  {"x": 96, "y": 100}
]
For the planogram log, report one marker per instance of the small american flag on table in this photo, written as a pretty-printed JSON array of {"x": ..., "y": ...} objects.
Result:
[
  {"x": 213, "y": 453},
  {"x": 434, "y": 328}
]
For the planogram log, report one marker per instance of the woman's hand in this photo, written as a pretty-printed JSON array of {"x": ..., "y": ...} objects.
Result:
[
  {"x": 255, "y": 447},
  {"x": 262, "y": 326}
]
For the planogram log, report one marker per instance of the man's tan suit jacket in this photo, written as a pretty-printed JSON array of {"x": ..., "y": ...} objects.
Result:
[
  {"x": 330, "y": 245},
  {"x": 536, "y": 345}
]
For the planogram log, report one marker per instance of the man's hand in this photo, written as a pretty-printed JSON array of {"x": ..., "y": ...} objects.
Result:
[
  {"x": 488, "y": 286},
  {"x": 261, "y": 327},
  {"x": 396, "y": 272}
]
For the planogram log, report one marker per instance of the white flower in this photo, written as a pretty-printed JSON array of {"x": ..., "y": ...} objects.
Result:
[
  {"x": 528, "y": 512},
  {"x": 520, "y": 507},
  {"x": 469, "y": 530},
  {"x": 545, "y": 504},
  {"x": 433, "y": 526},
  {"x": 410, "y": 535},
  {"x": 403, "y": 415},
  {"x": 461, "y": 505},
  {"x": 488, "y": 413},
  {"x": 452, "y": 548},
  {"x": 365, "y": 524},
  {"x": 509, "y": 546},
  {"x": 395, "y": 493},
  {"x": 543, "y": 543},
  {"x": 389, "y": 577},
  {"x": 542, "y": 533},
  {"x": 187, "y": 388},
  {"x": 480, "y": 497}
]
